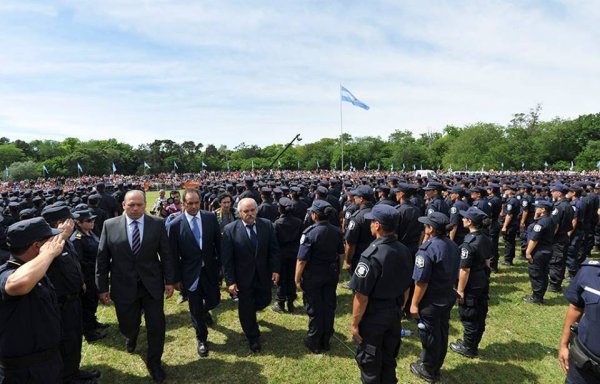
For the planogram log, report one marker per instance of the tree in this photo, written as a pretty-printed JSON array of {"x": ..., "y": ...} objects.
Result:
[
  {"x": 589, "y": 157},
  {"x": 9, "y": 153},
  {"x": 27, "y": 170}
]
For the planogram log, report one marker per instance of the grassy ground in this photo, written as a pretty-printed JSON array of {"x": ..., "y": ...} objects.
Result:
[{"x": 519, "y": 346}]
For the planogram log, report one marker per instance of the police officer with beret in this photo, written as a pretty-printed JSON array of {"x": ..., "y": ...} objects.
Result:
[
  {"x": 288, "y": 230},
  {"x": 540, "y": 235},
  {"x": 510, "y": 224},
  {"x": 29, "y": 312},
  {"x": 381, "y": 282},
  {"x": 581, "y": 362},
  {"x": 317, "y": 274},
  {"x": 473, "y": 282},
  {"x": 435, "y": 273},
  {"x": 562, "y": 215},
  {"x": 85, "y": 243},
  {"x": 358, "y": 233}
]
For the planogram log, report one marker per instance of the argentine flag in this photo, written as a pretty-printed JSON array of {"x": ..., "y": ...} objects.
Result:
[{"x": 349, "y": 97}]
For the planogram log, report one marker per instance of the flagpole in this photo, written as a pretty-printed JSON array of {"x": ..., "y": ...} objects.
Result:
[{"x": 341, "y": 128}]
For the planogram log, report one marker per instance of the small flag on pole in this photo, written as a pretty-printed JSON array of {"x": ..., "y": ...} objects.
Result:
[
  {"x": 378, "y": 166},
  {"x": 598, "y": 164},
  {"x": 572, "y": 166},
  {"x": 502, "y": 165},
  {"x": 365, "y": 168},
  {"x": 114, "y": 167},
  {"x": 403, "y": 167},
  {"x": 347, "y": 96},
  {"x": 204, "y": 164},
  {"x": 44, "y": 169},
  {"x": 318, "y": 165},
  {"x": 279, "y": 163},
  {"x": 392, "y": 167},
  {"x": 146, "y": 165},
  {"x": 227, "y": 165},
  {"x": 523, "y": 165},
  {"x": 6, "y": 171},
  {"x": 414, "y": 167},
  {"x": 545, "y": 164},
  {"x": 175, "y": 165},
  {"x": 79, "y": 168}
]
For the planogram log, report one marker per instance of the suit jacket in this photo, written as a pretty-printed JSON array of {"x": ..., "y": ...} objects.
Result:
[
  {"x": 241, "y": 263},
  {"x": 154, "y": 265},
  {"x": 189, "y": 257}
]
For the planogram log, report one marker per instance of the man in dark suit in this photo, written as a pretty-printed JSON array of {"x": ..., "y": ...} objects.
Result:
[
  {"x": 250, "y": 255},
  {"x": 129, "y": 250},
  {"x": 195, "y": 238}
]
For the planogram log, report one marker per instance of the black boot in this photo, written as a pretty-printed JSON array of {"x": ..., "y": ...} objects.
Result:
[
  {"x": 278, "y": 307},
  {"x": 290, "y": 305}
]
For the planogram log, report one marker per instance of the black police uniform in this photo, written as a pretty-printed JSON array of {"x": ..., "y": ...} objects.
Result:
[
  {"x": 495, "y": 204},
  {"x": 574, "y": 255},
  {"x": 29, "y": 332},
  {"x": 591, "y": 220},
  {"x": 86, "y": 248},
  {"x": 382, "y": 274},
  {"x": 474, "y": 252},
  {"x": 542, "y": 231},
  {"x": 267, "y": 210},
  {"x": 562, "y": 215},
  {"x": 436, "y": 264},
  {"x": 527, "y": 202},
  {"x": 510, "y": 208},
  {"x": 456, "y": 220},
  {"x": 584, "y": 292},
  {"x": 409, "y": 228},
  {"x": 358, "y": 232},
  {"x": 320, "y": 246},
  {"x": 438, "y": 205},
  {"x": 288, "y": 230}
]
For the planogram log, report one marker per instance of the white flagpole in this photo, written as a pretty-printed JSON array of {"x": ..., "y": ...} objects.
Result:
[{"x": 341, "y": 127}]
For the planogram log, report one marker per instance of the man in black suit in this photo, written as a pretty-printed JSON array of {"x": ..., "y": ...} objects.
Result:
[
  {"x": 250, "y": 255},
  {"x": 129, "y": 250},
  {"x": 195, "y": 239}
]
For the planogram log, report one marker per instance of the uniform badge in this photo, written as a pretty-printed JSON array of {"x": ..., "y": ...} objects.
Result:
[
  {"x": 351, "y": 225},
  {"x": 509, "y": 207},
  {"x": 555, "y": 212},
  {"x": 362, "y": 270},
  {"x": 430, "y": 211},
  {"x": 302, "y": 239},
  {"x": 537, "y": 228},
  {"x": 593, "y": 262},
  {"x": 347, "y": 215},
  {"x": 464, "y": 253},
  {"x": 453, "y": 210},
  {"x": 525, "y": 203},
  {"x": 420, "y": 261},
  {"x": 574, "y": 209}
]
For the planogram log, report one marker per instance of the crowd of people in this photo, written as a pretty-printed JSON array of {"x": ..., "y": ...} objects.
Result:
[{"x": 411, "y": 247}]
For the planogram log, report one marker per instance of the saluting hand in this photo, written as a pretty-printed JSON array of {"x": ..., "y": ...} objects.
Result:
[
  {"x": 53, "y": 247},
  {"x": 67, "y": 226}
]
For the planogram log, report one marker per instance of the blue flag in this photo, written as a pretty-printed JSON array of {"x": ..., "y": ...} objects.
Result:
[
  {"x": 349, "y": 97},
  {"x": 175, "y": 165},
  {"x": 79, "y": 168},
  {"x": 318, "y": 165},
  {"x": 204, "y": 164},
  {"x": 6, "y": 171},
  {"x": 146, "y": 165},
  {"x": 114, "y": 167},
  {"x": 44, "y": 169},
  {"x": 598, "y": 164}
]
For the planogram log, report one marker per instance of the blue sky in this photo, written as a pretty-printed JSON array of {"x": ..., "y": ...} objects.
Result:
[{"x": 227, "y": 72}]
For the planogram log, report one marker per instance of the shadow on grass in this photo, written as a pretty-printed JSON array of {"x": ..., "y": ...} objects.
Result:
[
  {"x": 485, "y": 372},
  {"x": 198, "y": 371},
  {"x": 516, "y": 350}
]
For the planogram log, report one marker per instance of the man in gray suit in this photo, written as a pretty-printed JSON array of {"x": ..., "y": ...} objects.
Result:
[
  {"x": 250, "y": 255},
  {"x": 135, "y": 250}
]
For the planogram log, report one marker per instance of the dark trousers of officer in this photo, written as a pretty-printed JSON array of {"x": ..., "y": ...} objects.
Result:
[
  {"x": 524, "y": 242},
  {"x": 71, "y": 335},
  {"x": 198, "y": 312},
  {"x": 376, "y": 355},
  {"x": 538, "y": 272},
  {"x": 557, "y": 263},
  {"x": 574, "y": 255},
  {"x": 252, "y": 299},
  {"x": 472, "y": 315},
  {"x": 47, "y": 371},
  {"x": 286, "y": 291},
  {"x": 510, "y": 243},
  {"x": 434, "y": 338},
  {"x": 588, "y": 242},
  {"x": 89, "y": 301},
  {"x": 129, "y": 316},
  {"x": 580, "y": 376},
  {"x": 320, "y": 302},
  {"x": 494, "y": 231},
  {"x": 597, "y": 235}
]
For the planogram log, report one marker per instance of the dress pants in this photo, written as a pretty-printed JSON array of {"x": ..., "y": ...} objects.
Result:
[
  {"x": 434, "y": 338},
  {"x": 252, "y": 299}
]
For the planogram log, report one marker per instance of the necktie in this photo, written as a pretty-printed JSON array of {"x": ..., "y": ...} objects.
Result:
[
  {"x": 135, "y": 238},
  {"x": 253, "y": 238},
  {"x": 196, "y": 229}
]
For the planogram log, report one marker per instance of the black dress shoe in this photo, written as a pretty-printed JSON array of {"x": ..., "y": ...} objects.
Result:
[
  {"x": 208, "y": 320},
  {"x": 278, "y": 307},
  {"x": 555, "y": 288},
  {"x": 311, "y": 346},
  {"x": 131, "y": 344},
  {"x": 507, "y": 263},
  {"x": 157, "y": 373},
  {"x": 325, "y": 346},
  {"x": 255, "y": 346},
  {"x": 290, "y": 306},
  {"x": 88, "y": 375},
  {"x": 419, "y": 370},
  {"x": 460, "y": 348},
  {"x": 92, "y": 336},
  {"x": 533, "y": 299},
  {"x": 203, "y": 348}
]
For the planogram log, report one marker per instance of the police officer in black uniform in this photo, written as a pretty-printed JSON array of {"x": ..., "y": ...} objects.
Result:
[
  {"x": 526, "y": 215},
  {"x": 409, "y": 228},
  {"x": 435, "y": 273},
  {"x": 358, "y": 233},
  {"x": 29, "y": 313},
  {"x": 473, "y": 283},
  {"x": 85, "y": 242},
  {"x": 317, "y": 274},
  {"x": 458, "y": 231},
  {"x": 562, "y": 215},
  {"x": 574, "y": 256},
  {"x": 540, "y": 235},
  {"x": 288, "y": 230},
  {"x": 495, "y": 204},
  {"x": 381, "y": 282},
  {"x": 267, "y": 208},
  {"x": 581, "y": 362},
  {"x": 510, "y": 224}
]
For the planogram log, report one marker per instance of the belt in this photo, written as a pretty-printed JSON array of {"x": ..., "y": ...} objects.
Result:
[
  {"x": 28, "y": 360},
  {"x": 69, "y": 297},
  {"x": 381, "y": 304}
]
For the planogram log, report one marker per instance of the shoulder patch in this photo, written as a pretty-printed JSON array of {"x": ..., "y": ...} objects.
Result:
[
  {"x": 302, "y": 238},
  {"x": 554, "y": 212},
  {"x": 347, "y": 215},
  {"x": 78, "y": 236},
  {"x": 430, "y": 211},
  {"x": 509, "y": 207},
  {"x": 537, "y": 228},
  {"x": 464, "y": 253},
  {"x": 362, "y": 269},
  {"x": 419, "y": 261},
  {"x": 453, "y": 210},
  {"x": 351, "y": 225},
  {"x": 525, "y": 203}
]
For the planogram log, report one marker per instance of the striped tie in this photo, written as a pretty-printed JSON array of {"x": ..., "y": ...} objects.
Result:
[{"x": 135, "y": 238}]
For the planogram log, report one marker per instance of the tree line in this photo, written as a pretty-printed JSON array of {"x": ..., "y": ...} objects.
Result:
[{"x": 526, "y": 142}]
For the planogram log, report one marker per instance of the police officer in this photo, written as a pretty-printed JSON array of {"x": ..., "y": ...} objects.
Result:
[
  {"x": 458, "y": 231},
  {"x": 288, "y": 230},
  {"x": 576, "y": 235},
  {"x": 540, "y": 235},
  {"x": 29, "y": 313},
  {"x": 495, "y": 204},
  {"x": 581, "y": 362},
  {"x": 267, "y": 209},
  {"x": 562, "y": 215},
  {"x": 526, "y": 215},
  {"x": 409, "y": 228},
  {"x": 435, "y": 273},
  {"x": 317, "y": 274},
  {"x": 433, "y": 191},
  {"x": 358, "y": 233},
  {"x": 381, "y": 283},
  {"x": 510, "y": 223},
  {"x": 85, "y": 243},
  {"x": 473, "y": 283}
]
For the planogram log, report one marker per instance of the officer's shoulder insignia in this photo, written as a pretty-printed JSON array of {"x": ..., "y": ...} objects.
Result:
[
  {"x": 453, "y": 210},
  {"x": 425, "y": 245},
  {"x": 525, "y": 203},
  {"x": 469, "y": 238},
  {"x": 174, "y": 214},
  {"x": 508, "y": 207},
  {"x": 419, "y": 261},
  {"x": 78, "y": 235},
  {"x": 351, "y": 225},
  {"x": 537, "y": 228},
  {"x": 309, "y": 228},
  {"x": 430, "y": 211},
  {"x": 369, "y": 251},
  {"x": 362, "y": 269},
  {"x": 555, "y": 212},
  {"x": 355, "y": 213},
  {"x": 464, "y": 253},
  {"x": 302, "y": 238},
  {"x": 347, "y": 215}
]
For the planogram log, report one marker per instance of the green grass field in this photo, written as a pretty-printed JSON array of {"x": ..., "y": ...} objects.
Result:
[{"x": 519, "y": 346}]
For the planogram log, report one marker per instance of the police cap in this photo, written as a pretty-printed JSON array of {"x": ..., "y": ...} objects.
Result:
[
  {"x": 437, "y": 220},
  {"x": 434, "y": 185},
  {"x": 285, "y": 202},
  {"x": 85, "y": 214},
  {"x": 318, "y": 206},
  {"x": 322, "y": 191},
  {"x": 458, "y": 190},
  {"x": 26, "y": 232},
  {"x": 474, "y": 214},
  {"x": 560, "y": 188},
  {"x": 543, "y": 204},
  {"x": 384, "y": 214},
  {"x": 363, "y": 191},
  {"x": 54, "y": 213}
]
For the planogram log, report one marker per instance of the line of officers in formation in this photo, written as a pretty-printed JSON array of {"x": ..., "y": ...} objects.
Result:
[{"x": 411, "y": 248}]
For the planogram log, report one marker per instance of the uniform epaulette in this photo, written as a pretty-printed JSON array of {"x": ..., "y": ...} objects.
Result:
[
  {"x": 469, "y": 238},
  {"x": 591, "y": 263},
  {"x": 369, "y": 251},
  {"x": 174, "y": 214},
  {"x": 425, "y": 245},
  {"x": 309, "y": 228}
]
